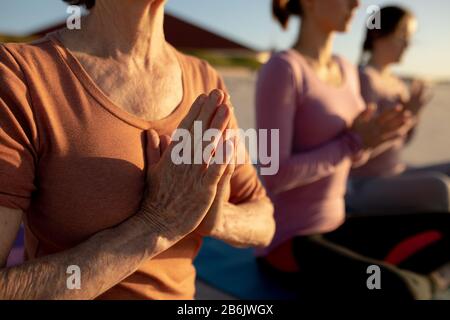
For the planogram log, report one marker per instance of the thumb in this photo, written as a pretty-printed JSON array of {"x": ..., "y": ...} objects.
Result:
[
  {"x": 164, "y": 144},
  {"x": 231, "y": 159},
  {"x": 370, "y": 111},
  {"x": 152, "y": 147}
]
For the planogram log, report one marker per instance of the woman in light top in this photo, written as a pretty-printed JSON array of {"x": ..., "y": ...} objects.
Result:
[
  {"x": 82, "y": 161},
  {"x": 313, "y": 98},
  {"x": 385, "y": 184}
]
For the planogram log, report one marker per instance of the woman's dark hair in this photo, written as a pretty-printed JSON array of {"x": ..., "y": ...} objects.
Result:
[
  {"x": 390, "y": 18},
  {"x": 283, "y": 9},
  {"x": 87, "y": 3}
]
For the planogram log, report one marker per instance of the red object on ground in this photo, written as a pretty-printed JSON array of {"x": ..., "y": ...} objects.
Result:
[{"x": 412, "y": 245}]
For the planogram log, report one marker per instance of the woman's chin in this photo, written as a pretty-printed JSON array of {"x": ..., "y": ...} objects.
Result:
[
  {"x": 346, "y": 27},
  {"x": 399, "y": 59}
]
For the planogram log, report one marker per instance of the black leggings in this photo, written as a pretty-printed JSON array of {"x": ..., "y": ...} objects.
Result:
[{"x": 335, "y": 265}]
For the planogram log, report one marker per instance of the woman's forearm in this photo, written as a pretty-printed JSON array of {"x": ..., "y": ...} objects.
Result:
[
  {"x": 308, "y": 167},
  {"x": 104, "y": 260},
  {"x": 249, "y": 224}
]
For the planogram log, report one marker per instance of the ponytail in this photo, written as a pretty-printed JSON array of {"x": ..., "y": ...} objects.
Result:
[
  {"x": 89, "y": 4},
  {"x": 283, "y": 9}
]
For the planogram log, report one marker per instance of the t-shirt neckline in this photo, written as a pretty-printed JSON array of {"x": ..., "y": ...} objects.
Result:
[
  {"x": 101, "y": 97},
  {"x": 309, "y": 68}
]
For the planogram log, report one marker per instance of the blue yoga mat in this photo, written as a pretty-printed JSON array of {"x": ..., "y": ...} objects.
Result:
[
  {"x": 20, "y": 240},
  {"x": 236, "y": 272},
  {"x": 16, "y": 255}
]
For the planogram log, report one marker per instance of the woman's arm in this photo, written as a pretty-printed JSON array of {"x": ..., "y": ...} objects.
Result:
[
  {"x": 168, "y": 213},
  {"x": 250, "y": 224},
  {"x": 308, "y": 167},
  {"x": 103, "y": 260},
  {"x": 241, "y": 214}
]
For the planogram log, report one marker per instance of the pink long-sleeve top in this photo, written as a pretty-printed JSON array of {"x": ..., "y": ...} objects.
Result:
[
  {"x": 386, "y": 159},
  {"x": 316, "y": 150}
]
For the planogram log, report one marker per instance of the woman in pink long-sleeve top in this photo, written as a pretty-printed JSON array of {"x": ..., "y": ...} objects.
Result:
[
  {"x": 385, "y": 183},
  {"x": 313, "y": 98}
]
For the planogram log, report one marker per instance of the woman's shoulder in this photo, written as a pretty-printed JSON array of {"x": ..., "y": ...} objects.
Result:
[
  {"x": 195, "y": 64},
  {"x": 288, "y": 58},
  {"x": 26, "y": 48},
  {"x": 198, "y": 70},
  {"x": 35, "y": 53},
  {"x": 344, "y": 61},
  {"x": 346, "y": 65},
  {"x": 10, "y": 57},
  {"x": 370, "y": 75},
  {"x": 287, "y": 62}
]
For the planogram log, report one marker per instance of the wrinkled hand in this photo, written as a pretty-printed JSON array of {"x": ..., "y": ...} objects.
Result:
[
  {"x": 214, "y": 218},
  {"x": 178, "y": 197}
]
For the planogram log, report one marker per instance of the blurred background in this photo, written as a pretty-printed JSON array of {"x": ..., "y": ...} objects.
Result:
[
  {"x": 237, "y": 36},
  {"x": 249, "y": 23}
]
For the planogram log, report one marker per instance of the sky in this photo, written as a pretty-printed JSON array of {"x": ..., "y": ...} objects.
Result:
[{"x": 250, "y": 22}]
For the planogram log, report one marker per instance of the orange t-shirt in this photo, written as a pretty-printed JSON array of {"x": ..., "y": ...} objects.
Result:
[{"x": 73, "y": 161}]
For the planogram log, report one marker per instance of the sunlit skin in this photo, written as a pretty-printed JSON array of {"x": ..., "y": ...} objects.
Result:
[
  {"x": 128, "y": 37},
  {"x": 321, "y": 20}
]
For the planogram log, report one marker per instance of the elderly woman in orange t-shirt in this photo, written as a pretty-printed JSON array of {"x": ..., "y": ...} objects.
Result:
[{"x": 85, "y": 161}]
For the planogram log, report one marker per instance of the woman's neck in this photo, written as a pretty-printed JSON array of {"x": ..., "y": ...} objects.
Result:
[
  {"x": 315, "y": 44},
  {"x": 118, "y": 29},
  {"x": 378, "y": 64}
]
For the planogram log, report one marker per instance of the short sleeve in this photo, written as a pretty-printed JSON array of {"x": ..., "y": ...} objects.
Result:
[
  {"x": 18, "y": 136},
  {"x": 245, "y": 183}
]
